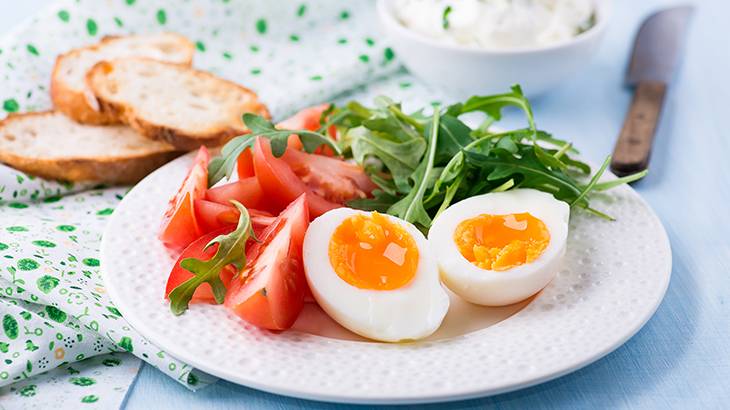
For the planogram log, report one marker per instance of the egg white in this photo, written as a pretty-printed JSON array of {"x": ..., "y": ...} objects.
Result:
[
  {"x": 410, "y": 312},
  {"x": 499, "y": 288}
]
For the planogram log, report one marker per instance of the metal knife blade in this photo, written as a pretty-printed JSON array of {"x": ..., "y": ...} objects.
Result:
[
  {"x": 658, "y": 46},
  {"x": 653, "y": 62}
]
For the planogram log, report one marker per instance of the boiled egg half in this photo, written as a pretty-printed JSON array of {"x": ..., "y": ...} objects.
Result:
[
  {"x": 374, "y": 275},
  {"x": 500, "y": 248}
]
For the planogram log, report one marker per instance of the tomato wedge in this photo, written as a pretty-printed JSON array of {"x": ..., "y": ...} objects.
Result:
[
  {"x": 335, "y": 180},
  {"x": 270, "y": 292},
  {"x": 179, "y": 225},
  {"x": 281, "y": 185},
  {"x": 212, "y": 216},
  {"x": 178, "y": 275},
  {"x": 306, "y": 119},
  {"x": 247, "y": 191},
  {"x": 244, "y": 164}
]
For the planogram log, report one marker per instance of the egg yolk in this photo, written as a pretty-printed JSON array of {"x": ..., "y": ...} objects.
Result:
[
  {"x": 372, "y": 252},
  {"x": 501, "y": 242}
]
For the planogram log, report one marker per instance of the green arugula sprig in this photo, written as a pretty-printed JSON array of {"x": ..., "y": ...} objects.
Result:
[
  {"x": 224, "y": 165},
  {"x": 411, "y": 208},
  {"x": 458, "y": 162},
  {"x": 424, "y": 163},
  {"x": 231, "y": 251}
]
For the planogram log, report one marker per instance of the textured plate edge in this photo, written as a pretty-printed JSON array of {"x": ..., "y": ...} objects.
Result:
[{"x": 402, "y": 399}]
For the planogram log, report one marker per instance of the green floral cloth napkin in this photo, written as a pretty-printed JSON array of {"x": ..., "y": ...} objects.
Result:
[
  {"x": 97, "y": 382},
  {"x": 53, "y": 305}
]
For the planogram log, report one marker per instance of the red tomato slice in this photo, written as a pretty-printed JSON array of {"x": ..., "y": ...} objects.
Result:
[
  {"x": 281, "y": 185},
  {"x": 270, "y": 292},
  {"x": 307, "y": 119},
  {"x": 246, "y": 191},
  {"x": 179, "y": 226},
  {"x": 178, "y": 275},
  {"x": 335, "y": 180},
  {"x": 244, "y": 164},
  {"x": 212, "y": 216}
]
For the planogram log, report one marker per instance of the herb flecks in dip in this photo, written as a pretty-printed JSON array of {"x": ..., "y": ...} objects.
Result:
[{"x": 497, "y": 24}]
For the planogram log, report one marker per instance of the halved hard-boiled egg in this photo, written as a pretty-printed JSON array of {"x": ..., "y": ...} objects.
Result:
[
  {"x": 374, "y": 275},
  {"x": 500, "y": 248}
]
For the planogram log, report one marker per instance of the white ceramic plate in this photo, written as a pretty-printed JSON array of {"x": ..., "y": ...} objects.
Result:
[{"x": 614, "y": 277}]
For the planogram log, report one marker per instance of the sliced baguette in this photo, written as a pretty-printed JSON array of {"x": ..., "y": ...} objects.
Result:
[
  {"x": 172, "y": 103},
  {"x": 69, "y": 91},
  {"x": 51, "y": 145}
]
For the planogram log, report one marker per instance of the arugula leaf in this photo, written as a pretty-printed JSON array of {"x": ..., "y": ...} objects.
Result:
[
  {"x": 231, "y": 251},
  {"x": 400, "y": 158},
  {"x": 392, "y": 126},
  {"x": 357, "y": 113},
  {"x": 411, "y": 207},
  {"x": 506, "y": 143},
  {"x": 548, "y": 138},
  {"x": 602, "y": 186},
  {"x": 383, "y": 182},
  {"x": 559, "y": 153},
  {"x": 449, "y": 196},
  {"x": 529, "y": 171},
  {"x": 326, "y": 118},
  {"x": 596, "y": 212},
  {"x": 418, "y": 182},
  {"x": 416, "y": 121},
  {"x": 579, "y": 165},
  {"x": 504, "y": 187},
  {"x": 592, "y": 182},
  {"x": 492, "y": 105},
  {"x": 548, "y": 160},
  {"x": 452, "y": 169},
  {"x": 422, "y": 163},
  {"x": 224, "y": 165},
  {"x": 454, "y": 136},
  {"x": 262, "y": 127},
  {"x": 481, "y": 145},
  {"x": 381, "y": 202}
]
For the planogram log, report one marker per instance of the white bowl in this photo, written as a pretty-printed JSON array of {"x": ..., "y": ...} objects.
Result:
[{"x": 464, "y": 71}]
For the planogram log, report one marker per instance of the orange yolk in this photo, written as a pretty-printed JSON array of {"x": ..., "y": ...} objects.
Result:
[
  {"x": 501, "y": 242},
  {"x": 371, "y": 252}
]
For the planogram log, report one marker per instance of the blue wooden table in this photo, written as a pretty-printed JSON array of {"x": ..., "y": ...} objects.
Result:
[{"x": 681, "y": 358}]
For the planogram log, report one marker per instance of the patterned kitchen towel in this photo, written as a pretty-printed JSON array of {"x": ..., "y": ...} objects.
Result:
[
  {"x": 100, "y": 382},
  {"x": 53, "y": 304}
]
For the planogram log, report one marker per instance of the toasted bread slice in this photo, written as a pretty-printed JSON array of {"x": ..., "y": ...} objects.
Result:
[
  {"x": 167, "y": 102},
  {"x": 69, "y": 91},
  {"x": 51, "y": 145}
]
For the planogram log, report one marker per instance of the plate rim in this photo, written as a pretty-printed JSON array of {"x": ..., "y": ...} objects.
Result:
[{"x": 330, "y": 395}]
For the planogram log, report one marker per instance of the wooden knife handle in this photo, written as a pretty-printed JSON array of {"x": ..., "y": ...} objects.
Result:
[{"x": 634, "y": 143}]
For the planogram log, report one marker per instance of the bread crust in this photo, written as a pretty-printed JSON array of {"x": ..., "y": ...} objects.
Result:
[
  {"x": 117, "y": 171},
  {"x": 107, "y": 169},
  {"x": 179, "y": 138},
  {"x": 75, "y": 104}
]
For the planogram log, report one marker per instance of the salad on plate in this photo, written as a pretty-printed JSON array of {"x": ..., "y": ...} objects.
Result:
[{"x": 372, "y": 213}]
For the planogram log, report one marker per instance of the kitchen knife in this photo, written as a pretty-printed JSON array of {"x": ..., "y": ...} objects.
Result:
[{"x": 655, "y": 56}]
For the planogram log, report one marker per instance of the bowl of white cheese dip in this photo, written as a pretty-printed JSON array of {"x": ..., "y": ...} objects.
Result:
[{"x": 477, "y": 47}]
